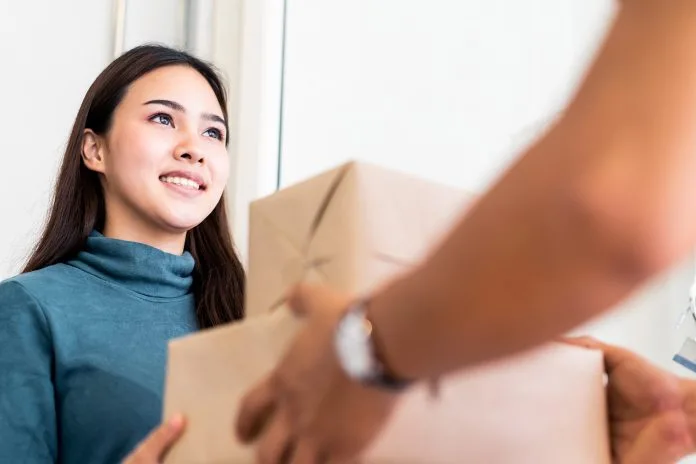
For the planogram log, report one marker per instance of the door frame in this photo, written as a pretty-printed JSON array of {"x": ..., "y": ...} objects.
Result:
[{"x": 251, "y": 55}]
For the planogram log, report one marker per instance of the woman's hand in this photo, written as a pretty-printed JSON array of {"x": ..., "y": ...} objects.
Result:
[
  {"x": 308, "y": 410},
  {"x": 153, "y": 449}
]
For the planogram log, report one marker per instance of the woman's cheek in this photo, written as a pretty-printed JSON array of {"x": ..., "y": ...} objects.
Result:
[
  {"x": 222, "y": 170},
  {"x": 150, "y": 146}
]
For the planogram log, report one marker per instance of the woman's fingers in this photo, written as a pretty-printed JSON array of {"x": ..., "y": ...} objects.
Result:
[{"x": 153, "y": 449}]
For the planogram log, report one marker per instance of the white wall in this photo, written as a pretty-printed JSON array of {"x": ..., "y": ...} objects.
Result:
[
  {"x": 161, "y": 21},
  {"x": 400, "y": 82},
  {"x": 50, "y": 55},
  {"x": 451, "y": 90}
]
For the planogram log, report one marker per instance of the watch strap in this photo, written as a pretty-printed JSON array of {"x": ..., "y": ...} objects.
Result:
[{"x": 380, "y": 375}]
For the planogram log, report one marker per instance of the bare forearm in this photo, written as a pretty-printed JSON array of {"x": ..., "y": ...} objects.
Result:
[{"x": 591, "y": 211}]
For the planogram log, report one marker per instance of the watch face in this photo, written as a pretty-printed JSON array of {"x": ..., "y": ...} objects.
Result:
[
  {"x": 355, "y": 352},
  {"x": 353, "y": 346}
]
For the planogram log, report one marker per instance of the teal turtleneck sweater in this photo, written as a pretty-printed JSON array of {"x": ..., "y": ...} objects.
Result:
[{"x": 83, "y": 348}]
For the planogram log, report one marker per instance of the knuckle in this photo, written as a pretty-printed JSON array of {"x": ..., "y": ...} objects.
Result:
[
  {"x": 674, "y": 428},
  {"x": 299, "y": 290},
  {"x": 296, "y": 299}
]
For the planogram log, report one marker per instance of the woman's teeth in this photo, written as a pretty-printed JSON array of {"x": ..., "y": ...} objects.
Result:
[{"x": 181, "y": 181}]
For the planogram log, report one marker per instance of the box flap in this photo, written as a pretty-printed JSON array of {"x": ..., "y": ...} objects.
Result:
[{"x": 283, "y": 229}]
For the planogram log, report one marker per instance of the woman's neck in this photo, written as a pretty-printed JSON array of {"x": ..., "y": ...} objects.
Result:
[{"x": 170, "y": 242}]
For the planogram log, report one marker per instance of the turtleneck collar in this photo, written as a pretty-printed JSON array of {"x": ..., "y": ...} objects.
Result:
[{"x": 141, "y": 268}]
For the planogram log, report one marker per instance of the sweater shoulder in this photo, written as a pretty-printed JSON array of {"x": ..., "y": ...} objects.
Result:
[{"x": 46, "y": 284}]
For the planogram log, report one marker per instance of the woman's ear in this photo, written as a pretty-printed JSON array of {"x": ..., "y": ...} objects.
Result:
[{"x": 93, "y": 151}]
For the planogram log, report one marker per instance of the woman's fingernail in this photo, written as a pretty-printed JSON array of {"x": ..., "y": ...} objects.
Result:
[{"x": 176, "y": 421}]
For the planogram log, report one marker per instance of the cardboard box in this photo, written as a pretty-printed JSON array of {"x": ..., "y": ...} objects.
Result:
[{"x": 353, "y": 228}]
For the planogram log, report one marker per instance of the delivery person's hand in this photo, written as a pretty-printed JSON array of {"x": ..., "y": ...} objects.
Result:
[
  {"x": 155, "y": 446},
  {"x": 307, "y": 411},
  {"x": 649, "y": 408}
]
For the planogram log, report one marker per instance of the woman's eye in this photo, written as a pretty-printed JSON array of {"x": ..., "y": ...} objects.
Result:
[
  {"x": 215, "y": 133},
  {"x": 162, "y": 118}
]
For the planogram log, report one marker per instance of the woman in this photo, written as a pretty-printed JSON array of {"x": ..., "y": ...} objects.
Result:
[{"x": 136, "y": 251}]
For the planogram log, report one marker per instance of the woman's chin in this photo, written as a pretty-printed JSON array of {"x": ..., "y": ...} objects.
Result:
[
  {"x": 181, "y": 219},
  {"x": 182, "y": 224}
]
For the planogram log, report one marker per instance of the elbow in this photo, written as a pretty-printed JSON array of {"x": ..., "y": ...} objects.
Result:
[
  {"x": 644, "y": 253},
  {"x": 631, "y": 231}
]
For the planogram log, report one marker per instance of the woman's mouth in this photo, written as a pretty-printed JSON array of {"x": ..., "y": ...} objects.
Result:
[{"x": 182, "y": 182}]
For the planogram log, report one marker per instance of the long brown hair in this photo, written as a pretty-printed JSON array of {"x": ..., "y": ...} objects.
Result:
[{"x": 77, "y": 205}]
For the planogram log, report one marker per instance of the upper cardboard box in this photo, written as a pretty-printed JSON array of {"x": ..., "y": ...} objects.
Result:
[{"x": 352, "y": 227}]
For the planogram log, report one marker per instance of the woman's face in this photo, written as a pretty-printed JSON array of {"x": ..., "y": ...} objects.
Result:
[{"x": 164, "y": 163}]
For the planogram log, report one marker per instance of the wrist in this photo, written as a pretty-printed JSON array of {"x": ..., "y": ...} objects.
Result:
[
  {"x": 382, "y": 354},
  {"x": 398, "y": 331},
  {"x": 358, "y": 352}
]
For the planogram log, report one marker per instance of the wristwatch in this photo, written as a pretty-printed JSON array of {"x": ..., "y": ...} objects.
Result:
[{"x": 356, "y": 350}]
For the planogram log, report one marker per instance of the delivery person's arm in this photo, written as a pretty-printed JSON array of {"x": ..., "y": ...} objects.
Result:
[{"x": 603, "y": 202}]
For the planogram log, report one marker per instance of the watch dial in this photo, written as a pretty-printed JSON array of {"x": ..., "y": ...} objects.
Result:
[{"x": 352, "y": 343}]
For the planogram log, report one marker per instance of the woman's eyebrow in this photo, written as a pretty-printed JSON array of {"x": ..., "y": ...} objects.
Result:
[
  {"x": 179, "y": 107},
  {"x": 171, "y": 104},
  {"x": 214, "y": 118}
]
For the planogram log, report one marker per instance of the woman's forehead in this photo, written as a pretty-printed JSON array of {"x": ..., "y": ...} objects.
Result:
[{"x": 181, "y": 84}]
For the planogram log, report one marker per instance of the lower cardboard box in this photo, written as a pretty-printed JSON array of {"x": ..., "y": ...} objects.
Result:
[{"x": 546, "y": 406}]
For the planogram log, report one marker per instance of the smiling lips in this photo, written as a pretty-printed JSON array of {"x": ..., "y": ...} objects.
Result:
[{"x": 184, "y": 180}]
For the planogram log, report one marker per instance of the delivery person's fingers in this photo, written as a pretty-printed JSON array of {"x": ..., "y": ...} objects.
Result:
[
  {"x": 614, "y": 356},
  {"x": 275, "y": 445},
  {"x": 255, "y": 409},
  {"x": 311, "y": 300},
  {"x": 305, "y": 453},
  {"x": 664, "y": 441}
]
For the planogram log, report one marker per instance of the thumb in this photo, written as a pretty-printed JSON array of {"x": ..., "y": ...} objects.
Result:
[
  {"x": 664, "y": 441},
  {"x": 156, "y": 445},
  {"x": 307, "y": 299},
  {"x": 613, "y": 355}
]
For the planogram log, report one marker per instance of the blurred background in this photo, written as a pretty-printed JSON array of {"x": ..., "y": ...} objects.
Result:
[{"x": 451, "y": 90}]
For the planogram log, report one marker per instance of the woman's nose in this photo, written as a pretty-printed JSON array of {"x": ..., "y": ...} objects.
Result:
[{"x": 189, "y": 153}]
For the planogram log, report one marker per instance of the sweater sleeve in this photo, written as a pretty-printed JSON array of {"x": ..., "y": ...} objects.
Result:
[{"x": 28, "y": 431}]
